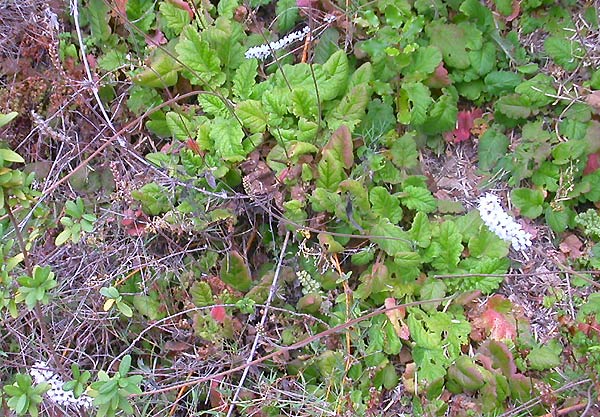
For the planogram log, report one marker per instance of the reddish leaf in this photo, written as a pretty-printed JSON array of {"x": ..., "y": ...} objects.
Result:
[
  {"x": 218, "y": 313},
  {"x": 121, "y": 7},
  {"x": 341, "y": 146},
  {"x": 516, "y": 10},
  {"x": 157, "y": 39},
  {"x": 183, "y": 5},
  {"x": 593, "y": 163},
  {"x": 395, "y": 316},
  {"x": 464, "y": 125},
  {"x": 439, "y": 78},
  {"x": 497, "y": 320},
  {"x": 571, "y": 246}
]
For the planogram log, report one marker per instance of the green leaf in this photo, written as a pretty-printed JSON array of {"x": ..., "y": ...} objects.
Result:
[
  {"x": 98, "y": 14},
  {"x": 493, "y": 145},
  {"x": 148, "y": 306},
  {"x": 418, "y": 100},
  {"x": 420, "y": 232},
  {"x": 501, "y": 82},
  {"x": 213, "y": 105},
  {"x": 529, "y": 202},
  {"x": 227, "y": 136},
  {"x": 162, "y": 72},
  {"x": 337, "y": 71},
  {"x": 568, "y": 152},
  {"x": 384, "y": 205},
  {"x": 235, "y": 272},
  {"x": 174, "y": 17},
  {"x": 483, "y": 60},
  {"x": 330, "y": 172},
  {"x": 450, "y": 39},
  {"x": 7, "y": 118},
  {"x": 465, "y": 375},
  {"x": 404, "y": 152},
  {"x": 287, "y": 15},
  {"x": 545, "y": 357},
  {"x": 443, "y": 116},
  {"x": 351, "y": 108},
  {"x": 203, "y": 63},
  {"x": 154, "y": 199},
  {"x": 201, "y": 294},
  {"x": 393, "y": 238},
  {"x": 181, "y": 126},
  {"x": 539, "y": 90},
  {"x": 124, "y": 309},
  {"x": 10, "y": 156},
  {"x": 487, "y": 244},
  {"x": 424, "y": 62},
  {"x": 62, "y": 237},
  {"x": 252, "y": 116},
  {"x": 418, "y": 198},
  {"x": 446, "y": 247},
  {"x": 565, "y": 52},
  {"x": 304, "y": 104},
  {"x": 244, "y": 79},
  {"x": 513, "y": 106}
]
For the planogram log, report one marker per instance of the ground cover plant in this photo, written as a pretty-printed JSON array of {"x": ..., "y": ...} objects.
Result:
[{"x": 300, "y": 208}]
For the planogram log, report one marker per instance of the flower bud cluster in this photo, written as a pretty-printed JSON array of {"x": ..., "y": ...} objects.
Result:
[
  {"x": 500, "y": 223},
  {"x": 40, "y": 374},
  {"x": 263, "y": 51},
  {"x": 309, "y": 284}
]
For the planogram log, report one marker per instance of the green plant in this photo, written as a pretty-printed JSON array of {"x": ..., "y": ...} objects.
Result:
[
  {"x": 111, "y": 394},
  {"x": 34, "y": 289},
  {"x": 115, "y": 298},
  {"x": 76, "y": 223},
  {"x": 79, "y": 382},
  {"x": 23, "y": 397}
]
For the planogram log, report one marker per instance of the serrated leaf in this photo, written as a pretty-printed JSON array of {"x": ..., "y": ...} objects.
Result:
[
  {"x": 252, "y": 116},
  {"x": 147, "y": 306},
  {"x": 393, "y": 239},
  {"x": 201, "y": 294},
  {"x": 564, "y": 52},
  {"x": 244, "y": 79},
  {"x": 213, "y": 105},
  {"x": 418, "y": 198},
  {"x": 423, "y": 63},
  {"x": 304, "y": 104},
  {"x": 529, "y": 202},
  {"x": 227, "y": 136},
  {"x": 235, "y": 272},
  {"x": 465, "y": 374},
  {"x": 404, "y": 151},
  {"x": 98, "y": 14},
  {"x": 203, "y": 63},
  {"x": 447, "y": 247},
  {"x": 351, "y": 108},
  {"x": 174, "y": 17},
  {"x": 545, "y": 357},
  {"x": 483, "y": 60},
  {"x": 500, "y": 82},
  {"x": 539, "y": 90},
  {"x": 442, "y": 116},
  {"x": 384, "y": 205},
  {"x": 180, "y": 125}
]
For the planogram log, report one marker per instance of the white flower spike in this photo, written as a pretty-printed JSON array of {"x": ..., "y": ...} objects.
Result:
[
  {"x": 502, "y": 224},
  {"x": 40, "y": 373},
  {"x": 261, "y": 52}
]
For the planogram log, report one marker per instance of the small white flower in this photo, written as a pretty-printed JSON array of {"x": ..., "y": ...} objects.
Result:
[
  {"x": 40, "y": 373},
  {"x": 261, "y": 52},
  {"x": 500, "y": 223}
]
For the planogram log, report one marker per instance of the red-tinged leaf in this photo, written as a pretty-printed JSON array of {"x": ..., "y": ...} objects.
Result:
[
  {"x": 395, "y": 316},
  {"x": 571, "y": 246},
  {"x": 218, "y": 313},
  {"x": 439, "y": 78},
  {"x": 341, "y": 146},
  {"x": 214, "y": 394},
  {"x": 464, "y": 125},
  {"x": 516, "y": 11},
  {"x": 497, "y": 320},
  {"x": 496, "y": 355},
  {"x": 157, "y": 39},
  {"x": 121, "y": 7},
  {"x": 183, "y": 5},
  {"x": 593, "y": 163}
]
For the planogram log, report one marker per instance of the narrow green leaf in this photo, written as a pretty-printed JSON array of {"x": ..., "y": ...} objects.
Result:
[{"x": 235, "y": 272}]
